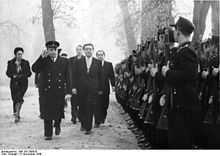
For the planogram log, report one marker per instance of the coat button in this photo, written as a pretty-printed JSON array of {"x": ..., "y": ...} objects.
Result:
[
  {"x": 60, "y": 74},
  {"x": 59, "y": 87},
  {"x": 49, "y": 74},
  {"x": 59, "y": 80},
  {"x": 49, "y": 80},
  {"x": 48, "y": 86},
  {"x": 174, "y": 91}
]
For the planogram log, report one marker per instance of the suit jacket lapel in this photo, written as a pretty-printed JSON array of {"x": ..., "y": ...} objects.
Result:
[
  {"x": 57, "y": 60},
  {"x": 84, "y": 64},
  {"x": 104, "y": 66},
  {"x": 91, "y": 66}
]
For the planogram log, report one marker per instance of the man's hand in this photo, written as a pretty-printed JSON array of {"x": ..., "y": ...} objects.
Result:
[
  {"x": 74, "y": 91},
  {"x": 144, "y": 98},
  {"x": 100, "y": 92},
  {"x": 164, "y": 70},
  {"x": 204, "y": 74},
  {"x": 153, "y": 71},
  {"x": 68, "y": 97},
  {"x": 44, "y": 53},
  {"x": 143, "y": 68},
  {"x": 150, "y": 66},
  {"x": 210, "y": 100},
  {"x": 147, "y": 69},
  {"x": 113, "y": 89},
  {"x": 17, "y": 62},
  {"x": 215, "y": 71},
  {"x": 162, "y": 100}
]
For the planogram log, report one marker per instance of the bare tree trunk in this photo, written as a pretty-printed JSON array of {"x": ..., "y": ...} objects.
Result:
[
  {"x": 200, "y": 12},
  {"x": 215, "y": 17},
  {"x": 150, "y": 16},
  {"x": 48, "y": 25},
  {"x": 143, "y": 20},
  {"x": 131, "y": 41}
]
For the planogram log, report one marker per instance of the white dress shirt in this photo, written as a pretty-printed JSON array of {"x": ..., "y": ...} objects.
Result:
[
  {"x": 54, "y": 59},
  {"x": 88, "y": 63}
]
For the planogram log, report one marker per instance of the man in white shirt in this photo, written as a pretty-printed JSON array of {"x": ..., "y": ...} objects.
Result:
[{"x": 86, "y": 84}]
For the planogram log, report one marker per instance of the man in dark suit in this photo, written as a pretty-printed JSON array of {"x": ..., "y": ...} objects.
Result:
[
  {"x": 107, "y": 75},
  {"x": 184, "y": 117},
  {"x": 54, "y": 81},
  {"x": 18, "y": 70},
  {"x": 87, "y": 86},
  {"x": 74, "y": 99}
]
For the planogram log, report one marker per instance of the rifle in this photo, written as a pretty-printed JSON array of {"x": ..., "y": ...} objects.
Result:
[
  {"x": 209, "y": 116},
  {"x": 218, "y": 116},
  {"x": 163, "y": 118},
  {"x": 150, "y": 115}
]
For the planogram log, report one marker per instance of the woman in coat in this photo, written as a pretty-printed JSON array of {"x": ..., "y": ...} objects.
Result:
[{"x": 18, "y": 70}]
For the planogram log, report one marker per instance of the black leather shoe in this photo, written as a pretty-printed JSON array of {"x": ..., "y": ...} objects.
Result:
[
  {"x": 97, "y": 125},
  {"x": 48, "y": 137},
  {"x": 57, "y": 130},
  {"x": 73, "y": 121},
  {"x": 17, "y": 119},
  {"x": 88, "y": 132},
  {"x": 82, "y": 129}
]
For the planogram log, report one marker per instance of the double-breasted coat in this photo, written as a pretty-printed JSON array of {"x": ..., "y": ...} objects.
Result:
[{"x": 54, "y": 84}]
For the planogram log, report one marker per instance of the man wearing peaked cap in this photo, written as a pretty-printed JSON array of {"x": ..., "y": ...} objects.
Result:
[
  {"x": 53, "y": 87},
  {"x": 184, "y": 25},
  {"x": 184, "y": 118},
  {"x": 52, "y": 44}
]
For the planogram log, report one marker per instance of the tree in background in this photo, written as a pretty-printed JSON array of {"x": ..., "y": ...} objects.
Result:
[
  {"x": 142, "y": 18},
  {"x": 127, "y": 23},
  {"x": 200, "y": 12},
  {"x": 215, "y": 17},
  {"x": 155, "y": 14},
  {"x": 52, "y": 10},
  {"x": 47, "y": 20}
]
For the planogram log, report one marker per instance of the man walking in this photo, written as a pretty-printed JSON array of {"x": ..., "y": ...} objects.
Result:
[
  {"x": 74, "y": 99},
  {"x": 88, "y": 88},
  {"x": 108, "y": 76},
  {"x": 54, "y": 85}
]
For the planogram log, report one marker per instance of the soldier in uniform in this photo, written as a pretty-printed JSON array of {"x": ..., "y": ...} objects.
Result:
[
  {"x": 184, "y": 115},
  {"x": 213, "y": 100},
  {"x": 18, "y": 70},
  {"x": 107, "y": 76},
  {"x": 74, "y": 100},
  {"x": 54, "y": 75}
]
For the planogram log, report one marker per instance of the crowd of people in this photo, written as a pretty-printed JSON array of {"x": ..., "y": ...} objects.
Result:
[
  {"x": 170, "y": 88},
  {"x": 82, "y": 80},
  {"x": 170, "y": 91}
]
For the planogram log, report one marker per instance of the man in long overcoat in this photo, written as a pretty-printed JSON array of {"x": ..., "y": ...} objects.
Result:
[
  {"x": 184, "y": 115},
  {"x": 54, "y": 82},
  {"x": 88, "y": 87}
]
